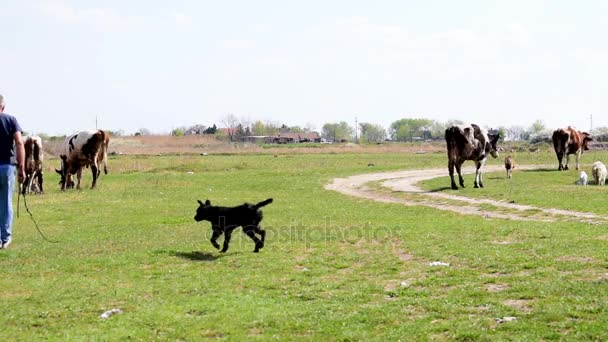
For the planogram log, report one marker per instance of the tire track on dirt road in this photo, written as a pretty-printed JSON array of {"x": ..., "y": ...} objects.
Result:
[{"x": 404, "y": 182}]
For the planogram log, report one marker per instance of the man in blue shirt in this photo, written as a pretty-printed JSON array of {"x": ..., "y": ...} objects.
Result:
[{"x": 11, "y": 141}]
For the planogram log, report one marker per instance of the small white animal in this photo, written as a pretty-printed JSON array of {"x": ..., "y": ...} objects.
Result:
[
  {"x": 582, "y": 178},
  {"x": 599, "y": 172}
]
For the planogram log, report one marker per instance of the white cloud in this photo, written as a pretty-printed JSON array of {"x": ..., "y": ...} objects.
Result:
[
  {"x": 237, "y": 44},
  {"x": 182, "y": 20},
  {"x": 104, "y": 19},
  {"x": 518, "y": 34},
  {"x": 593, "y": 59}
]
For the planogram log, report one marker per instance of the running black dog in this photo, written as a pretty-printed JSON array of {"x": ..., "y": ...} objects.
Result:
[{"x": 226, "y": 219}]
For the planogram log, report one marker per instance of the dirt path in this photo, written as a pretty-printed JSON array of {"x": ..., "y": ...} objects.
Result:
[{"x": 403, "y": 183}]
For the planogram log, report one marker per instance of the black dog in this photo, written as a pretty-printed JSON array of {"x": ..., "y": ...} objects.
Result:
[{"x": 226, "y": 219}]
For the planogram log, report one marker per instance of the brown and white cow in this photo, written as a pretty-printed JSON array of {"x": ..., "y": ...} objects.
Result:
[
  {"x": 33, "y": 165},
  {"x": 469, "y": 142},
  {"x": 567, "y": 141},
  {"x": 83, "y": 149}
]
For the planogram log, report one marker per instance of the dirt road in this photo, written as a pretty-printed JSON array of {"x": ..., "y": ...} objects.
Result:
[{"x": 405, "y": 191}]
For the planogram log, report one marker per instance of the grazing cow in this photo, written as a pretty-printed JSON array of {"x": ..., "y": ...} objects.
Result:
[
  {"x": 567, "y": 141},
  {"x": 599, "y": 173},
  {"x": 83, "y": 149},
  {"x": 582, "y": 178},
  {"x": 33, "y": 165},
  {"x": 469, "y": 142},
  {"x": 509, "y": 165}
]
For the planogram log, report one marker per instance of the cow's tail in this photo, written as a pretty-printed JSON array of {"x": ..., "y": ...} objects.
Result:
[
  {"x": 104, "y": 145},
  {"x": 263, "y": 203},
  {"x": 561, "y": 139}
]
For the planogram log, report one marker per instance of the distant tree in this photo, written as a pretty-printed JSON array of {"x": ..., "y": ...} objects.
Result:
[
  {"x": 406, "y": 129},
  {"x": 195, "y": 130},
  {"x": 231, "y": 123},
  {"x": 272, "y": 128},
  {"x": 537, "y": 127},
  {"x": 502, "y": 133},
  {"x": 258, "y": 128},
  {"x": 210, "y": 130},
  {"x": 337, "y": 131},
  {"x": 372, "y": 133},
  {"x": 515, "y": 133},
  {"x": 438, "y": 129},
  {"x": 297, "y": 129},
  {"x": 177, "y": 132},
  {"x": 144, "y": 131},
  {"x": 600, "y": 134}
]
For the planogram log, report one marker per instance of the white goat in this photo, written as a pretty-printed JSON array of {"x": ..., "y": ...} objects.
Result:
[{"x": 599, "y": 173}]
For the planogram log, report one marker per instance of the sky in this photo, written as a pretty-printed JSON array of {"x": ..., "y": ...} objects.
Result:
[{"x": 122, "y": 65}]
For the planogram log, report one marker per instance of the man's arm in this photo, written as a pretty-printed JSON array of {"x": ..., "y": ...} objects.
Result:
[{"x": 20, "y": 150}]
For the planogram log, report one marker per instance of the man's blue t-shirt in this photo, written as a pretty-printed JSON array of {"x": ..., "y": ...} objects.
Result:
[{"x": 8, "y": 127}]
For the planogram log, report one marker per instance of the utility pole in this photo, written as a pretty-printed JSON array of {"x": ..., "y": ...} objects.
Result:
[
  {"x": 96, "y": 122},
  {"x": 590, "y": 123}
]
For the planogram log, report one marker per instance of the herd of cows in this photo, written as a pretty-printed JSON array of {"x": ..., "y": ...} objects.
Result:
[
  {"x": 79, "y": 150},
  {"x": 464, "y": 142},
  {"x": 471, "y": 142}
]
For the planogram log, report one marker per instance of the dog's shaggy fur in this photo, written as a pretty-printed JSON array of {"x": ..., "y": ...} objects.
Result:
[{"x": 226, "y": 219}]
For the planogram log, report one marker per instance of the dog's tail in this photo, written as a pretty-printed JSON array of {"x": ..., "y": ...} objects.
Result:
[{"x": 263, "y": 203}]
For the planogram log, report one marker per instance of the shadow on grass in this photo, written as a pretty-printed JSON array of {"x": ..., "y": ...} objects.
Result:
[
  {"x": 196, "y": 256},
  {"x": 443, "y": 188},
  {"x": 540, "y": 170}
]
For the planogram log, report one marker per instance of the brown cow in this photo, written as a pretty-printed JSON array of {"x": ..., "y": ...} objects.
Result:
[
  {"x": 33, "y": 165},
  {"x": 567, "y": 141},
  {"x": 509, "y": 165},
  {"x": 469, "y": 142}
]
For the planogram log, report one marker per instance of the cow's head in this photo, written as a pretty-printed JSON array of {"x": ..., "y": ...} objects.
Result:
[
  {"x": 586, "y": 139},
  {"x": 203, "y": 212},
  {"x": 65, "y": 181},
  {"x": 493, "y": 140}
]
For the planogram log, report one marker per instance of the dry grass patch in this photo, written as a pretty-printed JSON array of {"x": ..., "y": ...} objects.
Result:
[{"x": 522, "y": 305}]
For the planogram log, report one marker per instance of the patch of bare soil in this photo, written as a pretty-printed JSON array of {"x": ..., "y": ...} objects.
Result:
[
  {"x": 522, "y": 305},
  {"x": 496, "y": 287},
  {"x": 406, "y": 182}
]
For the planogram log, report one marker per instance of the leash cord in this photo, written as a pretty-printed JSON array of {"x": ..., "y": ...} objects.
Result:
[{"x": 31, "y": 217}]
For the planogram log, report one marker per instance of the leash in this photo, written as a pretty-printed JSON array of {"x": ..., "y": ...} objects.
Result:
[{"x": 31, "y": 216}]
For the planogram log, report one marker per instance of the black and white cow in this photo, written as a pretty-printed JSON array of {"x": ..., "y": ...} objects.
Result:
[
  {"x": 469, "y": 142},
  {"x": 83, "y": 149},
  {"x": 33, "y": 165}
]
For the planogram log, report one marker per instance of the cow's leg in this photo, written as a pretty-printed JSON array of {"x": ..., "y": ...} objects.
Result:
[
  {"x": 258, "y": 243},
  {"x": 479, "y": 173},
  {"x": 95, "y": 173},
  {"x": 214, "y": 237},
  {"x": 227, "y": 236},
  {"x": 40, "y": 181},
  {"x": 451, "y": 171},
  {"x": 567, "y": 161},
  {"x": 78, "y": 178},
  {"x": 458, "y": 169},
  {"x": 476, "y": 183},
  {"x": 578, "y": 157},
  {"x": 560, "y": 157}
]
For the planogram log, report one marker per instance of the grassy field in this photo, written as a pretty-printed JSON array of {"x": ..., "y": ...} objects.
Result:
[{"x": 334, "y": 267}]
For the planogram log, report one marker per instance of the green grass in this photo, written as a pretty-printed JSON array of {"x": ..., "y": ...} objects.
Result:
[{"x": 331, "y": 270}]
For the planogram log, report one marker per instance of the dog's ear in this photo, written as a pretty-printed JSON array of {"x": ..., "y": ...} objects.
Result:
[
  {"x": 199, "y": 202},
  {"x": 207, "y": 203}
]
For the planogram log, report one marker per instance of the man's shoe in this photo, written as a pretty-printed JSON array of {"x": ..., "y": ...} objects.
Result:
[{"x": 6, "y": 243}]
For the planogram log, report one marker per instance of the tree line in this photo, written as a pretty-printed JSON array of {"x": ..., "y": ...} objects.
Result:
[{"x": 402, "y": 130}]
